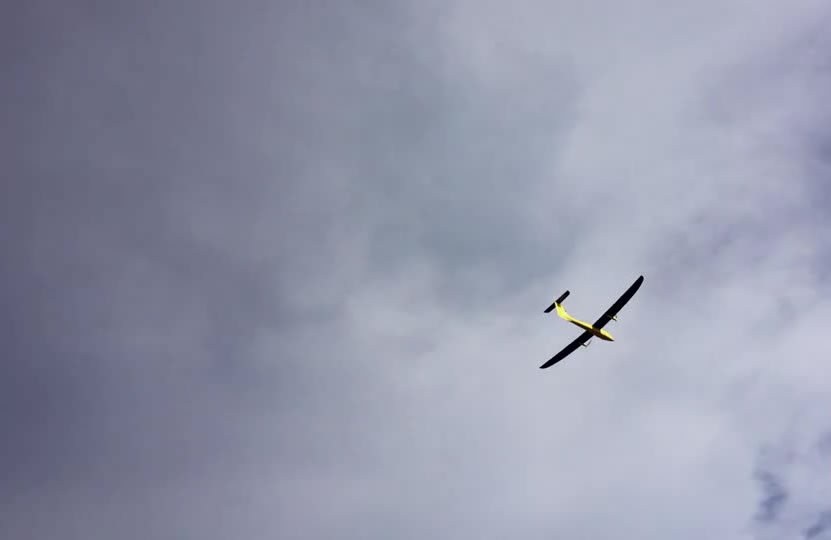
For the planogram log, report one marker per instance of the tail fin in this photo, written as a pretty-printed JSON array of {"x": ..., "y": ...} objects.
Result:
[
  {"x": 561, "y": 311},
  {"x": 556, "y": 302}
]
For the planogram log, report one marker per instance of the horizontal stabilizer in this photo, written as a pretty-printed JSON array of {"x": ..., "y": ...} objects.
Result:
[{"x": 557, "y": 301}]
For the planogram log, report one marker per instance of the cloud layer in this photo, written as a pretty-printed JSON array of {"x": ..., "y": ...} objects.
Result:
[{"x": 279, "y": 271}]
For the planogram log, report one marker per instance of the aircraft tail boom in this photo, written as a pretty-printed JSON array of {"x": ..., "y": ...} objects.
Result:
[{"x": 561, "y": 311}]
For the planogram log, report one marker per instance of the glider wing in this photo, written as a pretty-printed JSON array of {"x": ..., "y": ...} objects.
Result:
[
  {"x": 570, "y": 348},
  {"x": 612, "y": 311}
]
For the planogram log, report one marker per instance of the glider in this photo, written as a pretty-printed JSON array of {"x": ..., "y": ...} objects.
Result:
[{"x": 590, "y": 330}]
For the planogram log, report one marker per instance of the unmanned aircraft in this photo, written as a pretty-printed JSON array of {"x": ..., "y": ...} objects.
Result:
[{"x": 590, "y": 330}]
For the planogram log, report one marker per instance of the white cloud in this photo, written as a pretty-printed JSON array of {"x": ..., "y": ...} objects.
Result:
[{"x": 658, "y": 434}]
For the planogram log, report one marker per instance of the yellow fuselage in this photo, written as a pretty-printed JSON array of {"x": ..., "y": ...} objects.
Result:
[{"x": 599, "y": 333}]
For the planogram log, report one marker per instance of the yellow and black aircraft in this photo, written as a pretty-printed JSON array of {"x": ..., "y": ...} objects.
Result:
[{"x": 590, "y": 330}]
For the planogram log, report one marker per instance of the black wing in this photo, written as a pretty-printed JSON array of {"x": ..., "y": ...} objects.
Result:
[
  {"x": 612, "y": 311},
  {"x": 570, "y": 348}
]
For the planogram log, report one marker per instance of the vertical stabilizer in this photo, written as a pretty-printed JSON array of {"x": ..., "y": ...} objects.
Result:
[{"x": 561, "y": 311}]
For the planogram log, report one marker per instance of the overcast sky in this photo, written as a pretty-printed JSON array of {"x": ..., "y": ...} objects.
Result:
[{"x": 277, "y": 270}]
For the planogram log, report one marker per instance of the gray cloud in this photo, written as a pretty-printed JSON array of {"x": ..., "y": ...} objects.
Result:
[
  {"x": 824, "y": 443},
  {"x": 279, "y": 270},
  {"x": 822, "y": 524},
  {"x": 774, "y": 496}
]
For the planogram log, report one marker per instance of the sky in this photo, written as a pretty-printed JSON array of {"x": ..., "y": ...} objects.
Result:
[{"x": 278, "y": 270}]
